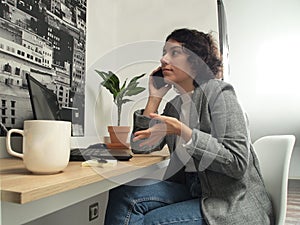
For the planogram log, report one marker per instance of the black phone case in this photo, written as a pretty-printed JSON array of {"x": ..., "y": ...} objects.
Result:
[{"x": 158, "y": 79}]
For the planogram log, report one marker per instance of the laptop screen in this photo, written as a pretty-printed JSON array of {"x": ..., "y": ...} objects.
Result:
[{"x": 43, "y": 101}]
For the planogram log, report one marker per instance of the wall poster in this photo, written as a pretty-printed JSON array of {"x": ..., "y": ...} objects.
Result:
[{"x": 46, "y": 39}]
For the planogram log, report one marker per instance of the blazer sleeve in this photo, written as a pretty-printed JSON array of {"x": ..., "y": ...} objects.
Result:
[{"x": 226, "y": 148}]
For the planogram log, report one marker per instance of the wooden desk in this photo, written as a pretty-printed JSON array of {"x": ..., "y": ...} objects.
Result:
[{"x": 23, "y": 192}]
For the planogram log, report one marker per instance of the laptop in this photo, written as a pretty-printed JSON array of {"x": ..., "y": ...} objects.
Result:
[
  {"x": 99, "y": 151},
  {"x": 45, "y": 106},
  {"x": 44, "y": 102}
]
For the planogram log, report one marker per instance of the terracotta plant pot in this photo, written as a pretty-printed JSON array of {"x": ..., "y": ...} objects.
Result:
[{"x": 118, "y": 134}]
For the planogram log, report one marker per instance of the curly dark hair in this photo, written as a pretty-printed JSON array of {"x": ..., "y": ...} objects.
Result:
[{"x": 203, "y": 53}]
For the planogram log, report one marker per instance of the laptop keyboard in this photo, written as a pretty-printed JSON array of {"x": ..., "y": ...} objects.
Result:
[{"x": 82, "y": 154}]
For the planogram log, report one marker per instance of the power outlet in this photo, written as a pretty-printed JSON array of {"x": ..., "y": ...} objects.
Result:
[{"x": 93, "y": 211}]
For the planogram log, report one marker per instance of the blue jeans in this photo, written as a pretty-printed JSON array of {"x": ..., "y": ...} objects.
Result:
[{"x": 153, "y": 203}]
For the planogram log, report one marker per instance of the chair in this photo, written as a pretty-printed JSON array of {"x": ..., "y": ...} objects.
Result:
[{"x": 274, "y": 154}]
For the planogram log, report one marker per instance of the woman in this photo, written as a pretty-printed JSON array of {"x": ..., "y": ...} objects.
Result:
[{"x": 213, "y": 176}]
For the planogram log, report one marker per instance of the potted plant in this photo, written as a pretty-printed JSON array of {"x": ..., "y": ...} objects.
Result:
[{"x": 119, "y": 134}]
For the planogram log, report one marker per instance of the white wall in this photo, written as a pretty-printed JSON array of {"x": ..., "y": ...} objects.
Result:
[{"x": 264, "y": 38}]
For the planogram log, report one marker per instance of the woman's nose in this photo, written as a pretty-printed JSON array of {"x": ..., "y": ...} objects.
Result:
[{"x": 164, "y": 60}]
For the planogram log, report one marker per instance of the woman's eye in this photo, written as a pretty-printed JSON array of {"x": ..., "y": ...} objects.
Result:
[
  {"x": 172, "y": 52},
  {"x": 175, "y": 52}
]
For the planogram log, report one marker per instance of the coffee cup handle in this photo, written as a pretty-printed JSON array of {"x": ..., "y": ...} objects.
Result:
[{"x": 8, "y": 145}]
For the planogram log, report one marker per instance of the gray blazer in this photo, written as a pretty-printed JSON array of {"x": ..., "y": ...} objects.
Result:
[{"x": 232, "y": 190}]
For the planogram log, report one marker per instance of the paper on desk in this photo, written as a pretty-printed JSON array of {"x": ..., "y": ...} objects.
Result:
[{"x": 99, "y": 163}]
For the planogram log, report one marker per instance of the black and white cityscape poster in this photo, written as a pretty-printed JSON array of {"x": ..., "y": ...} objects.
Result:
[{"x": 47, "y": 40}]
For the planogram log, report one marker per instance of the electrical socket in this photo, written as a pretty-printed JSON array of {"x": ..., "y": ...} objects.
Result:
[{"x": 93, "y": 211}]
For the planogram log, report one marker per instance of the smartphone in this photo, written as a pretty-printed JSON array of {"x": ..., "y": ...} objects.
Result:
[{"x": 158, "y": 79}]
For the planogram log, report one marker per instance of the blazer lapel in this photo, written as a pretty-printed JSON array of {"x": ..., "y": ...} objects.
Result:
[{"x": 196, "y": 108}]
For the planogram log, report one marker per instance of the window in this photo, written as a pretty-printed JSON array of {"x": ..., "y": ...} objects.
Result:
[
  {"x": 13, "y": 104},
  {"x": 7, "y": 68},
  {"x": 3, "y": 103},
  {"x": 17, "y": 71}
]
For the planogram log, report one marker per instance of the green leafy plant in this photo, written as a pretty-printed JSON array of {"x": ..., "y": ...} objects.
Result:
[{"x": 120, "y": 93}]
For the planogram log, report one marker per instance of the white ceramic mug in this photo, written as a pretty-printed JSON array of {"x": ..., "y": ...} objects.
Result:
[{"x": 46, "y": 145}]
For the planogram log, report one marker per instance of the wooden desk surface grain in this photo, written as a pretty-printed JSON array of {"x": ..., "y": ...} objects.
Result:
[{"x": 21, "y": 186}]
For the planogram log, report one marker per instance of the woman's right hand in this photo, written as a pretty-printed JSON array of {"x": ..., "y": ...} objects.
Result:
[
  {"x": 155, "y": 95},
  {"x": 157, "y": 92}
]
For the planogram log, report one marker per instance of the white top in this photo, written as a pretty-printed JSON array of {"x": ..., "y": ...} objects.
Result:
[{"x": 185, "y": 118}]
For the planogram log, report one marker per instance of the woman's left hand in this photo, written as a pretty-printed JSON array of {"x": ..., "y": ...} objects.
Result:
[{"x": 169, "y": 125}]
